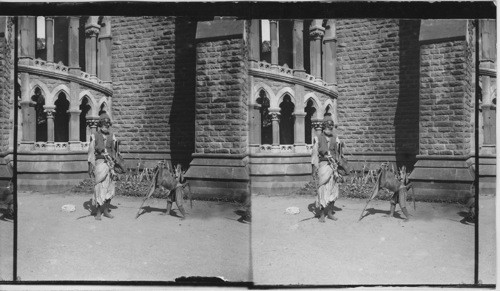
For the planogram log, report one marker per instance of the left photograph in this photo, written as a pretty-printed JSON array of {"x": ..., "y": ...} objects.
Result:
[
  {"x": 118, "y": 179},
  {"x": 7, "y": 214}
]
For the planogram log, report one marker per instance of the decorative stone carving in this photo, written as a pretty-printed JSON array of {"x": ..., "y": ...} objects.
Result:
[
  {"x": 92, "y": 122},
  {"x": 50, "y": 113},
  {"x": 316, "y": 124},
  {"x": 92, "y": 31},
  {"x": 316, "y": 31}
]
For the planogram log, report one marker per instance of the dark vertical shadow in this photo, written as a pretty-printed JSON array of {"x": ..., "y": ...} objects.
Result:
[
  {"x": 406, "y": 121},
  {"x": 182, "y": 113}
]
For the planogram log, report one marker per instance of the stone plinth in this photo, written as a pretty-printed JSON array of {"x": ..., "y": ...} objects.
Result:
[
  {"x": 447, "y": 178},
  {"x": 279, "y": 174},
  {"x": 50, "y": 170},
  {"x": 221, "y": 176},
  {"x": 487, "y": 174}
]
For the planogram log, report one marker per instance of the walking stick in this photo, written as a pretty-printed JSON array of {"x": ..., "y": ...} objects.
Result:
[
  {"x": 375, "y": 193},
  {"x": 151, "y": 191},
  {"x": 413, "y": 194}
]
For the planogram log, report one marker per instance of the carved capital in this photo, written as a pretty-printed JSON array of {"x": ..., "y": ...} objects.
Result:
[
  {"x": 316, "y": 33},
  {"x": 92, "y": 31},
  {"x": 275, "y": 116},
  {"x": 49, "y": 112},
  {"x": 92, "y": 122},
  {"x": 316, "y": 30},
  {"x": 316, "y": 124},
  {"x": 273, "y": 21}
]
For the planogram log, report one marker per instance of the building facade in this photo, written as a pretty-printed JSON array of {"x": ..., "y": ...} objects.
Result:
[
  {"x": 6, "y": 98},
  {"x": 238, "y": 111}
]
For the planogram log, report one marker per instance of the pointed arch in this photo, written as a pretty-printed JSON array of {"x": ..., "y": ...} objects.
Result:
[
  {"x": 281, "y": 93},
  {"x": 311, "y": 96},
  {"x": 51, "y": 98},
  {"x": 103, "y": 102},
  {"x": 37, "y": 83},
  {"x": 328, "y": 103},
  {"x": 87, "y": 94},
  {"x": 256, "y": 92}
]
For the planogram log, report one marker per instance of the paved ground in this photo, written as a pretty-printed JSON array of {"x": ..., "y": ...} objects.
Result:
[
  {"x": 487, "y": 240},
  {"x": 57, "y": 245},
  {"x": 433, "y": 248},
  {"x": 6, "y": 249}
]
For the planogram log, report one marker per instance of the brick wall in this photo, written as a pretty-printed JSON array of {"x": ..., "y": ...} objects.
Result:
[
  {"x": 470, "y": 84},
  {"x": 445, "y": 116},
  {"x": 6, "y": 87},
  {"x": 153, "y": 74},
  {"x": 377, "y": 78},
  {"x": 221, "y": 97}
]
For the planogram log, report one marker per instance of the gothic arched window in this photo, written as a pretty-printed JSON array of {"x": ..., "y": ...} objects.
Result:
[
  {"x": 287, "y": 120},
  {"x": 85, "y": 109},
  {"x": 328, "y": 111},
  {"x": 40, "y": 115},
  {"x": 265, "y": 118},
  {"x": 310, "y": 112},
  {"x": 61, "y": 119}
]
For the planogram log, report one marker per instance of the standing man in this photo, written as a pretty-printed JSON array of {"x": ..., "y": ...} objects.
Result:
[
  {"x": 315, "y": 160},
  {"x": 102, "y": 152},
  {"x": 328, "y": 155}
]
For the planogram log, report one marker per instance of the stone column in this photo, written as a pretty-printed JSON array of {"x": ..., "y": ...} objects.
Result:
[
  {"x": 104, "y": 58},
  {"x": 28, "y": 121},
  {"x": 74, "y": 112},
  {"x": 50, "y": 125},
  {"x": 316, "y": 127},
  {"x": 254, "y": 40},
  {"x": 298, "y": 47},
  {"x": 274, "y": 41},
  {"x": 74, "y": 128},
  {"x": 275, "y": 117},
  {"x": 316, "y": 32},
  {"x": 49, "y": 38},
  {"x": 255, "y": 124},
  {"x": 330, "y": 54},
  {"x": 73, "y": 49},
  {"x": 92, "y": 122},
  {"x": 27, "y": 111},
  {"x": 487, "y": 71},
  {"x": 27, "y": 36},
  {"x": 91, "y": 32},
  {"x": 255, "y": 127},
  {"x": 299, "y": 131}
]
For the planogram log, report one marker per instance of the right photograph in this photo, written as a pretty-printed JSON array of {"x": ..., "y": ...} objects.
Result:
[{"x": 368, "y": 141}]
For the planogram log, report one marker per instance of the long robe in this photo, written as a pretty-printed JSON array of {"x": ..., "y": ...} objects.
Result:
[
  {"x": 104, "y": 183},
  {"x": 328, "y": 188}
]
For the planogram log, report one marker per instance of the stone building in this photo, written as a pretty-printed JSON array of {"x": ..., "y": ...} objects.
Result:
[
  {"x": 238, "y": 111},
  {"x": 6, "y": 98}
]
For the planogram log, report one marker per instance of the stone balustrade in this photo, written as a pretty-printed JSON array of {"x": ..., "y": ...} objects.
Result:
[
  {"x": 284, "y": 73},
  {"x": 59, "y": 71}
]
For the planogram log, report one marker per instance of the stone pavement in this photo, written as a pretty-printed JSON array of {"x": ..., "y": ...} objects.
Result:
[
  {"x": 57, "y": 245},
  {"x": 6, "y": 249},
  {"x": 433, "y": 248}
]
